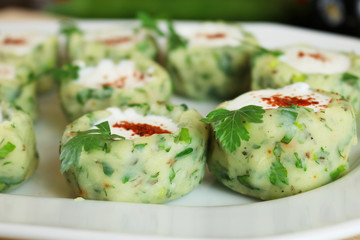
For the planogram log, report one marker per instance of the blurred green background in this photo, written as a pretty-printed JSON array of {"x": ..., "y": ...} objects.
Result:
[
  {"x": 342, "y": 16},
  {"x": 242, "y": 10}
]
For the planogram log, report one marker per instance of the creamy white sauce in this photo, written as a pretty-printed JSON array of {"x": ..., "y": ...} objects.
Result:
[
  {"x": 310, "y": 60},
  {"x": 107, "y": 73},
  {"x": 7, "y": 71},
  {"x": 299, "y": 90},
  {"x": 119, "y": 37},
  {"x": 130, "y": 115},
  {"x": 20, "y": 43},
  {"x": 212, "y": 35},
  {"x": 1, "y": 116}
]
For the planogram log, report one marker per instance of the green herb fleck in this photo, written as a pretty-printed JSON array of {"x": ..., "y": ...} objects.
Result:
[
  {"x": 94, "y": 139},
  {"x": 184, "y": 106},
  {"x": 67, "y": 71},
  {"x": 125, "y": 179},
  {"x": 195, "y": 171},
  {"x": 299, "y": 162},
  {"x": 221, "y": 173},
  {"x": 230, "y": 125},
  {"x": 142, "y": 46},
  {"x": 327, "y": 126},
  {"x": 278, "y": 174},
  {"x": 149, "y": 23},
  {"x": 277, "y": 150},
  {"x": 337, "y": 172},
  {"x": 155, "y": 175},
  {"x": 275, "y": 53},
  {"x": 161, "y": 145},
  {"x": 107, "y": 169},
  {"x": 226, "y": 65},
  {"x": 169, "y": 107},
  {"x": 350, "y": 78},
  {"x": 289, "y": 116},
  {"x": 139, "y": 146},
  {"x": 256, "y": 146},
  {"x": 172, "y": 175},
  {"x": 184, "y": 153},
  {"x": 244, "y": 180},
  {"x": 183, "y": 136},
  {"x": 6, "y": 149},
  {"x": 298, "y": 78},
  {"x": 83, "y": 95},
  {"x": 340, "y": 152}
]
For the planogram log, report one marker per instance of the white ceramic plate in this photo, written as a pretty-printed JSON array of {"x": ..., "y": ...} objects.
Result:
[{"x": 44, "y": 207}]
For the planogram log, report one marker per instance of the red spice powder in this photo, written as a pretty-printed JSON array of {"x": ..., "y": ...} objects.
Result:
[
  {"x": 317, "y": 56},
  {"x": 287, "y": 101},
  {"x": 114, "y": 41},
  {"x": 141, "y": 129},
  {"x": 212, "y": 36},
  {"x": 13, "y": 41},
  {"x": 118, "y": 83}
]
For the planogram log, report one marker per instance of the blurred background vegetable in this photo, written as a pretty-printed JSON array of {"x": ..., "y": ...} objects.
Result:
[{"x": 342, "y": 16}]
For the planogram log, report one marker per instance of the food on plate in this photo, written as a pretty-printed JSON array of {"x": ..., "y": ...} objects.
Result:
[
  {"x": 210, "y": 60},
  {"x": 37, "y": 50},
  {"x": 85, "y": 88},
  {"x": 18, "y": 87},
  {"x": 18, "y": 155},
  {"x": 116, "y": 42},
  {"x": 321, "y": 69},
  {"x": 279, "y": 142},
  {"x": 143, "y": 153}
]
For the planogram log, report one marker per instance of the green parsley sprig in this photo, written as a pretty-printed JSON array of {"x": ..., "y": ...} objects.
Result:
[
  {"x": 174, "y": 39},
  {"x": 230, "y": 125},
  {"x": 149, "y": 23},
  {"x": 67, "y": 71},
  {"x": 69, "y": 27},
  {"x": 94, "y": 139},
  {"x": 262, "y": 50}
]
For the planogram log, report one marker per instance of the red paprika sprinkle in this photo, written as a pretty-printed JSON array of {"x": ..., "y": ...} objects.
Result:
[
  {"x": 141, "y": 129},
  {"x": 114, "y": 41},
  {"x": 212, "y": 36},
  {"x": 288, "y": 101},
  {"x": 14, "y": 41},
  {"x": 317, "y": 56}
]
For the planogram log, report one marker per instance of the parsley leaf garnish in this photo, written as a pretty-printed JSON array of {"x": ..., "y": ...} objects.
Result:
[
  {"x": 337, "y": 172},
  {"x": 349, "y": 78},
  {"x": 67, "y": 71},
  {"x": 278, "y": 174},
  {"x": 262, "y": 50},
  {"x": 69, "y": 27},
  {"x": 149, "y": 23},
  {"x": 174, "y": 39},
  {"x": 230, "y": 125},
  {"x": 6, "y": 149},
  {"x": 289, "y": 116},
  {"x": 93, "y": 139}
]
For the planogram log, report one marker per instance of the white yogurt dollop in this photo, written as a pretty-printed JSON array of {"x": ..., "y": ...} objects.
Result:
[
  {"x": 7, "y": 71},
  {"x": 107, "y": 73},
  {"x": 310, "y": 60},
  {"x": 268, "y": 98},
  {"x": 131, "y": 116},
  {"x": 20, "y": 43},
  {"x": 212, "y": 35}
]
